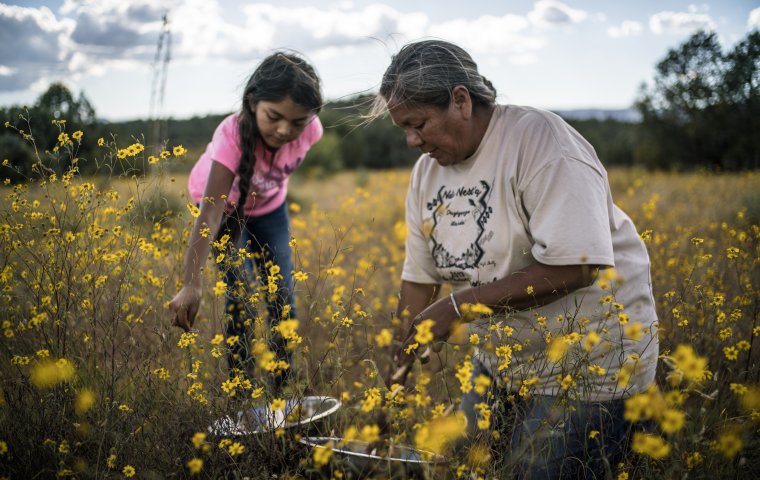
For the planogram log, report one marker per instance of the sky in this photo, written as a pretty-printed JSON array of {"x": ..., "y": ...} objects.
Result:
[{"x": 559, "y": 55}]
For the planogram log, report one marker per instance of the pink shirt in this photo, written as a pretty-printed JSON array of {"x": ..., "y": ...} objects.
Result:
[{"x": 270, "y": 175}]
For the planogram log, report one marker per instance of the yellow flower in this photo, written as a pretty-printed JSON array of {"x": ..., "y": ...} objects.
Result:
[
  {"x": 591, "y": 340},
  {"x": 194, "y": 211},
  {"x": 529, "y": 290},
  {"x": 557, "y": 349},
  {"x": 729, "y": 444},
  {"x": 738, "y": 388},
  {"x": 236, "y": 449},
  {"x": 694, "y": 367},
  {"x": 300, "y": 276},
  {"x": 128, "y": 471},
  {"x": 3, "y": 447},
  {"x": 474, "y": 339},
  {"x": 199, "y": 439},
  {"x": 672, "y": 420},
  {"x": 370, "y": 433},
  {"x": 567, "y": 382},
  {"x": 77, "y": 135},
  {"x": 278, "y": 404},
  {"x": 424, "y": 335},
  {"x": 372, "y": 399},
  {"x": 384, "y": 338},
  {"x": 220, "y": 288},
  {"x": 85, "y": 400},
  {"x": 484, "y": 415},
  {"x": 482, "y": 382},
  {"x": 179, "y": 150},
  {"x": 194, "y": 466},
  {"x": 651, "y": 445},
  {"x": 187, "y": 339},
  {"x": 634, "y": 331},
  {"x": 47, "y": 374},
  {"x": 731, "y": 353},
  {"x": 322, "y": 453},
  {"x": 441, "y": 432},
  {"x": 464, "y": 374}
]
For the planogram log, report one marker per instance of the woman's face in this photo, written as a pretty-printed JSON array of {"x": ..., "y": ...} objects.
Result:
[
  {"x": 442, "y": 133},
  {"x": 280, "y": 122}
]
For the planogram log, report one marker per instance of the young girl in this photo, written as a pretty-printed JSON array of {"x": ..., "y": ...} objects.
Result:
[{"x": 243, "y": 177}]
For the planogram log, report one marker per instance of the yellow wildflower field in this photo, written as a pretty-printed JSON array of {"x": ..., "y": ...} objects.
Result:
[{"x": 96, "y": 383}]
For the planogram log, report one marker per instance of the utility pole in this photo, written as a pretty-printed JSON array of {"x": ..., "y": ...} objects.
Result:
[{"x": 158, "y": 87}]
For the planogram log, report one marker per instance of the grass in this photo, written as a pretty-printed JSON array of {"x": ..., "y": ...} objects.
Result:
[{"x": 95, "y": 383}]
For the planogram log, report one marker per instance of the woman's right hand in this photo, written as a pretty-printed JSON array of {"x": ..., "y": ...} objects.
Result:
[{"x": 185, "y": 306}]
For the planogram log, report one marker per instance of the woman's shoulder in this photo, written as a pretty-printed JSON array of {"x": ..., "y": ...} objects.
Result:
[{"x": 531, "y": 117}]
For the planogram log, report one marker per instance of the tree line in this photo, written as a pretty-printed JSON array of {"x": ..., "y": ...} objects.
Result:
[{"x": 701, "y": 112}]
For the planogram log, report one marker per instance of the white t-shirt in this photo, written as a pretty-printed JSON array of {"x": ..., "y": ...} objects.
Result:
[{"x": 535, "y": 191}]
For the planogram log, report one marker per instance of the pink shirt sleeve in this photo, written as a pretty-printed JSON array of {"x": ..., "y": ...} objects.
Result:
[{"x": 225, "y": 145}]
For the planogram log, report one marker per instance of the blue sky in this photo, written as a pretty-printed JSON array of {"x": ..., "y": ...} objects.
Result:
[{"x": 547, "y": 53}]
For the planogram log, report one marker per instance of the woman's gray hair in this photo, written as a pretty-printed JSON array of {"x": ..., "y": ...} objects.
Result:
[{"x": 424, "y": 73}]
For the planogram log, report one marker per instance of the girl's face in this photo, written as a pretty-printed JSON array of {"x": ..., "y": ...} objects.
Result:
[
  {"x": 280, "y": 122},
  {"x": 442, "y": 133}
]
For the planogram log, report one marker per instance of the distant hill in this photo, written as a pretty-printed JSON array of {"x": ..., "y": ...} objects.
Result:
[{"x": 622, "y": 115}]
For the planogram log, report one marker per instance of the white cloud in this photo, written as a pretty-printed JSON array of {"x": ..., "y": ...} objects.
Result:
[
  {"x": 753, "y": 20},
  {"x": 489, "y": 33},
  {"x": 33, "y": 44},
  {"x": 93, "y": 37},
  {"x": 552, "y": 12},
  {"x": 680, "y": 22},
  {"x": 627, "y": 28},
  {"x": 523, "y": 59}
]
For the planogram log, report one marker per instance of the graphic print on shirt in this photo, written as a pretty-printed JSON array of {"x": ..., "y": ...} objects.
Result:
[
  {"x": 265, "y": 180},
  {"x": 459, "y": 221}
]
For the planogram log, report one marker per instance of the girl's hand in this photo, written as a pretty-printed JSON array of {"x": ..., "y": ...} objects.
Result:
[
  {"x": 445, "y": 319},
  {"x": 185, "y": 306}
]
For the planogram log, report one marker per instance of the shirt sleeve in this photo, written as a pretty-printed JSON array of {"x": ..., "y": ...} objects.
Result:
[
  {"x": 225, "y": 144},
  {"x": 419, "y": 266},
  {"x": 568, "y": 207},
  {"x": 314, "y": 132}
]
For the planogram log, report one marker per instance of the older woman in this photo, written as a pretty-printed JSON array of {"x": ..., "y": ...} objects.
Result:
[{"x": 511, "y": 207}]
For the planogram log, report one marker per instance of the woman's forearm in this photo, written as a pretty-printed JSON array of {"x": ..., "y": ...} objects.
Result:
[{"x": 533, "y": 286}]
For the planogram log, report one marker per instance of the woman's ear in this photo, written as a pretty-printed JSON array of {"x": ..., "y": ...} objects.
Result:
[{"x": 462, "y": 101}]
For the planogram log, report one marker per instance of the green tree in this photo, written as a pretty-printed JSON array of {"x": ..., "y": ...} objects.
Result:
[
  {"x": 325, "y": 157},
  {"x": 702, "y": 107},
  {"x": 56, "y": 103}
]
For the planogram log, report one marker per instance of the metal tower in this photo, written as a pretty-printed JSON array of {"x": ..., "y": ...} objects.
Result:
[{"x": 160, "y": 69}]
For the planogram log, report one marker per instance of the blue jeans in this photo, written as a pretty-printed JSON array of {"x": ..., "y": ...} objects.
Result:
[
  {"x": 549, "y": 437},
  {"x": 268, "y": 238}
]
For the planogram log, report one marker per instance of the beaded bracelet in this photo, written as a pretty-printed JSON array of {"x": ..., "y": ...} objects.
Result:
[{"x": 454, "y": 304}]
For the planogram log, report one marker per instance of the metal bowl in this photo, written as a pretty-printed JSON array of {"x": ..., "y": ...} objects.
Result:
[
  {"x": 298, "y": 413},
  {"x": 399, "y": 461}
]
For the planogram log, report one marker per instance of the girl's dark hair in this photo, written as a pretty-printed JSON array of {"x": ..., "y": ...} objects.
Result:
[
  {"x": 280, "y": 75},
  {"x": 425, "y": 73}
]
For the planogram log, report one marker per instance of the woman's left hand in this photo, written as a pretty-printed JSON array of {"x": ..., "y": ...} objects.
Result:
[{"x": 445, "y": 318}]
